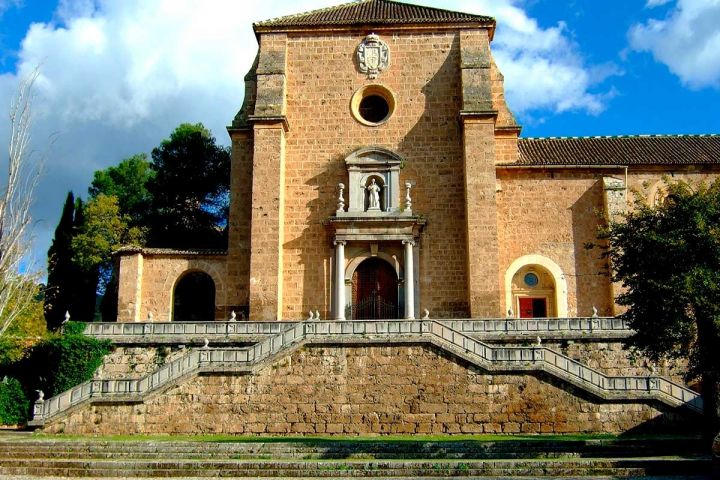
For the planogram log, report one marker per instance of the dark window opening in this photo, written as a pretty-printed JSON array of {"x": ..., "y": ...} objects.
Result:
[{"x": 374, "y": 108}]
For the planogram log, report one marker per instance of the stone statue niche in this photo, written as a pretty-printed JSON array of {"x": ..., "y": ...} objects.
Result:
[
  {"x": 374, "y": 182},
  {"x": 374, "y": 195}
]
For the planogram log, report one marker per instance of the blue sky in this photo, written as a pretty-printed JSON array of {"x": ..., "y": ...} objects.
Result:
[{"x": 118, "y": 75}]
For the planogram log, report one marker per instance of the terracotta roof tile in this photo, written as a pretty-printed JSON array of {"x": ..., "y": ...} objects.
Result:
[
  {"x": 128, "y": 250},
  {"x": 623, "y": 150},
  {"x": 378, "y": 12}
]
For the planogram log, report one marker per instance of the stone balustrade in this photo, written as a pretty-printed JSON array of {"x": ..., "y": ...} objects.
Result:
[
  {"x": 440, "y": 334},
  {"x": 601, "y": 328}
]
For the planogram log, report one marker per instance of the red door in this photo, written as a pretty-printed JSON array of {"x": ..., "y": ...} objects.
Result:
[{"x": 533, "y": 307}]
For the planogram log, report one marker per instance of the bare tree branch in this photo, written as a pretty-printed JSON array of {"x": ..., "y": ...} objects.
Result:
[{"x": 17, "y": 281}]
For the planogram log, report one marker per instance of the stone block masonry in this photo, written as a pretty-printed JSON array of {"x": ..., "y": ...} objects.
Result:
[{"x": 371, "y": 390}]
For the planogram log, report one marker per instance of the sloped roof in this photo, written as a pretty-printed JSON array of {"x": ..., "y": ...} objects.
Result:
[
  {"x": 130, "y": 249},
  {"x": 373, "y": 12},
  {"x": 622, "y": 150}
]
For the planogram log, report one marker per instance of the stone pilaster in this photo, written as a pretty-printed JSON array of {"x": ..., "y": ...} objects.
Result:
[
  {"x": 268, "y": 181},
  {"x": 240, "y": 218},
  {"x": 478, "y": 119},
  {"x": 615, "y": 202},
  {"x": 130, "y": 288}
]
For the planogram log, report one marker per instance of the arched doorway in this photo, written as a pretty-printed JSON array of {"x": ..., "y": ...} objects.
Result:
[
  {"x": 533, "y": 290},
  {"x": 194, "y": 298},
  {"x": 374, "y": 291}
]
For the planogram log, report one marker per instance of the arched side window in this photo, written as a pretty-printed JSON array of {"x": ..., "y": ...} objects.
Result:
[
  {"x": 194, "y": 298},
  {"x": 535, "y": 287}
]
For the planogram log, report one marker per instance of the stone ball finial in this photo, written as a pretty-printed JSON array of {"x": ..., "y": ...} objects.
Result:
[{"x": 426, "y": 314}]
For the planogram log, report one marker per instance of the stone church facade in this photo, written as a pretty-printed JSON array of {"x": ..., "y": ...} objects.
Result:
[
  {"x": 380, "y": 186},
  {"x": 470, "y": 221}
]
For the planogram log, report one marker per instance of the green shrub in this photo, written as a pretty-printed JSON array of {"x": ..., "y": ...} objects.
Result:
[
  {"x": 66, "y": 361},
  {"x": 14, "y": 404},
  {"x": 60, "y": 362},
  {"x": 74, "y": 328}
]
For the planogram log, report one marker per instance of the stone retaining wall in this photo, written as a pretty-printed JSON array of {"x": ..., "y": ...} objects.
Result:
[
  {"x": 612, "y": 358},
  {"x": 136, "y": 362},
  {"x": 371, "y": 390},
  {"x": 608, "y": 357}
]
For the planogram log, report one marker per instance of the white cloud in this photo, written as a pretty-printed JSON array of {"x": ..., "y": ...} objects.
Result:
[
  {"x": 656, "y": 3},
  {"x": 7, "y": 4},
  {"x": 687, "y": 41},
  {"x": 544, "y": 69},
  {"x": 118, "y": 76}
]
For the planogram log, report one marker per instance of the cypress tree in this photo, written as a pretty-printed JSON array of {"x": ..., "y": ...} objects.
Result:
[{"x": 60, "y": 267}]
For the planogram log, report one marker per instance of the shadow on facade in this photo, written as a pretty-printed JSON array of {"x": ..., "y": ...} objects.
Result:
[
  {"x": 590, "y": 269},
  {"x": 433, "y": 154}
]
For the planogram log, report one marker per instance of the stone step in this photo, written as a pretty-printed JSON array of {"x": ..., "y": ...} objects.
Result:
[
  {"x": 359, "y": 469},
  {"x": 316, "y": 455},
  {"x": 371, "y": 449},
  {"x": 342, "y": 477}
]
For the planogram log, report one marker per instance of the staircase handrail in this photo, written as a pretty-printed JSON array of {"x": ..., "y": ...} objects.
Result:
[
  {"x": 572, "y": 370},
  {"x": 491, "y": 357}
]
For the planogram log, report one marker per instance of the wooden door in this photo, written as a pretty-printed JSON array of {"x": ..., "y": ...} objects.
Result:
[
  {"x": 533, "y": 307},
  {"x": 375, "y": 291}
]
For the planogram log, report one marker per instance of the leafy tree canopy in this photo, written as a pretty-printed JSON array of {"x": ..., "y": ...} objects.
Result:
[
  {"x": 190, "y": 190},
  {"x": 28, "y": 328},
  {"x": 104, "y": 230},
  {"x": 667, "y": 258},
  {"x": 128, "y": 183}
]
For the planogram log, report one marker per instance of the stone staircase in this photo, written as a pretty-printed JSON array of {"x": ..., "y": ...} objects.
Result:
[
  {"x": 361, "y": 458},
  {"x": 493, "y": 358},
  {"x": 443, "y": 336}
]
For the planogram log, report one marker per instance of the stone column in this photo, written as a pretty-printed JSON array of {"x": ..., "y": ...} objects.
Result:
[
  {"x": 339, "y": 280},
  {"x": 409, "y": 281}
]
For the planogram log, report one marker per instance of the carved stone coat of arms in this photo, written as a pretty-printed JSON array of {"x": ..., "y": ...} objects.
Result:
[{"x": 373, "y": 56}]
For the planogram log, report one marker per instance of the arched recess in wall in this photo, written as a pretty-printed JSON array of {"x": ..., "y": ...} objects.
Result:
[
  {"x": 533, "y": 278},
  {"x": 659, "y": 194},
  {"x": 194, "y": 297}
]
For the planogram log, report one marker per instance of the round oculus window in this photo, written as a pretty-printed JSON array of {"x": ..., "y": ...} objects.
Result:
[
  {"x": 531, "y": 279},
  {"x": 374, "y": 108},
  {"x": 372, "y": 105}
]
